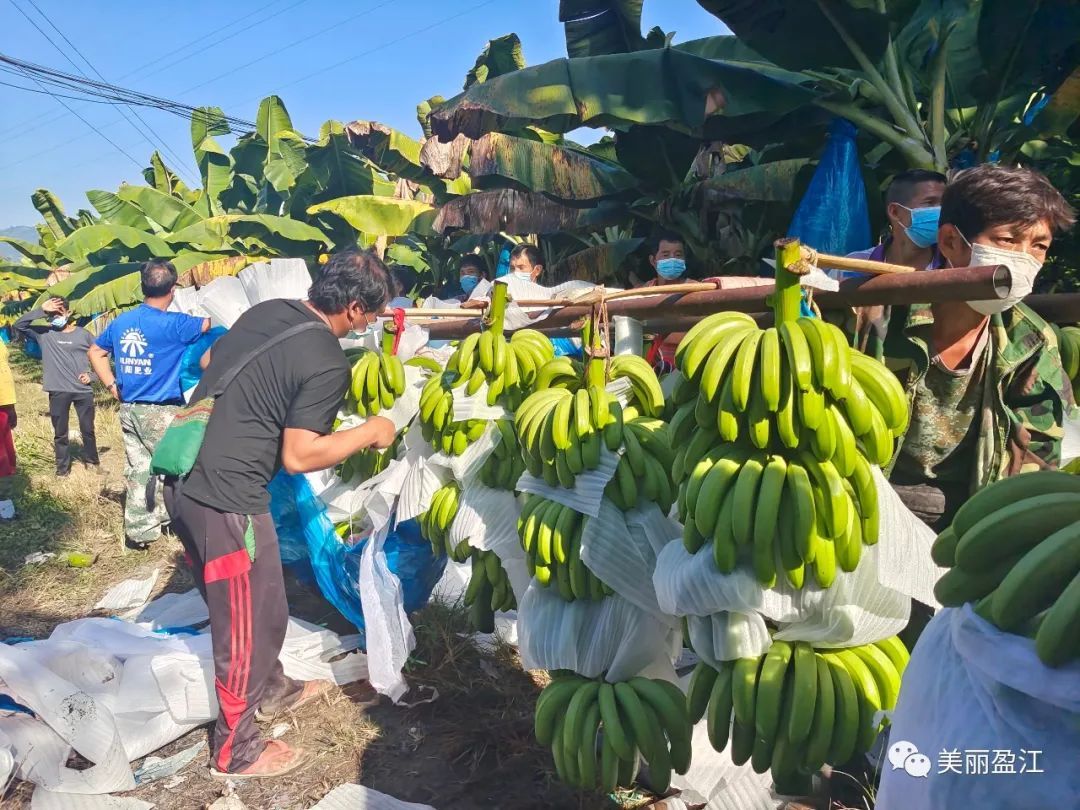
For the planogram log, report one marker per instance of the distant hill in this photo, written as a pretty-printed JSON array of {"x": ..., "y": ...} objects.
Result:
[{"x": 24, "y": 232}]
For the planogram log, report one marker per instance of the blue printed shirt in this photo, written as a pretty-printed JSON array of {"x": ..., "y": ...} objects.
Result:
[{"x": 148, "y": 347}]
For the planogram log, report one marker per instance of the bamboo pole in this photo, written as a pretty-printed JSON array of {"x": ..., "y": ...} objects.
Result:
[{"x": 861, "y": 265}]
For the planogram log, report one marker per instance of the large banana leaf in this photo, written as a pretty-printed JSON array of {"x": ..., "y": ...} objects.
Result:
[
  {"x": 104, "y": 242},
  {"x": 665, "y": 86},
  {"x": 201, "y": 274},
  {"x": 423, "y": 112},
  {"x": 215, "y": 166},
  {"x": 167, "y": 211},
  {"x": 598, "y": 263},
  {"x": 498, "y": 160},
  {"x": 500, "y": 56},
  {"x": 48, "y": 205},
  {"x": 596, "y": 27},
  {"x": 396, "y": 153},
  {"x": 165, "y": 179},
  {"x": 335, "y": 169},
  {"x": 658, "y": 156},
  {"x": 35, "y": 253},
  {"x": 284, "y": 146},
  {"x": 517, "y": 212},
  {"x": 767, "y": 182},
  {"x": 29, "y": 277},
  {"x": 799, "y": 35},
  {"x": 119, "y": 212},
  {"x": 380, "y": 216},
  {"x": 252, "y": 234},
  {"x": 96, "y": 289}
]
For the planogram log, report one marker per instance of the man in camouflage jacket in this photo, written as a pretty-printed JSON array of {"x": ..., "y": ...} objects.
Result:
[{"x": 986, "y": 389}]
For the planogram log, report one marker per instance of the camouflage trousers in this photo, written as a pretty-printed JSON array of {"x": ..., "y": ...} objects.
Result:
[{"x": 144, "y": 506}]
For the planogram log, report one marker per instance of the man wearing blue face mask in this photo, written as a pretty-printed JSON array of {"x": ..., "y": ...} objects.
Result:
[
  {"x": 471, "y": 272},
  {"x": 65, "y": 377},
  {"x": 913, "y": 208},
  {"x": 668, "y": 259}
]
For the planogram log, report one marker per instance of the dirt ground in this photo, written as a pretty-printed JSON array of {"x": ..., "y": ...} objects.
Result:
[{"x": 472, "y": 747}]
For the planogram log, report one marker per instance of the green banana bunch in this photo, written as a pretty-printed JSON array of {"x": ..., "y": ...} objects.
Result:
[
  {"x": 648, "y": 396},
  {"x": 1014, "y": 550},
  {"x": 551, "y": 536},
  {"x": 597, "y": 731},
  {"x": 561, "y": 433},
  {"x": 776, "y": 514},
  {"x": 508, "y": 367},
  {"x": 367, "y": 463},
  {"x": 503, "y": 468},
  {"x": 793, "y": 709},
  {"x": 488, "y": 590},
  {"x": 436, "y": 425},
  {"x": 435, "y": 523},
  {"x": 644, "y": 470},
  {"x": 378, "y": 379},
  {"x": 1069, "y": 346},
  {"x": 794, "y": 386}
]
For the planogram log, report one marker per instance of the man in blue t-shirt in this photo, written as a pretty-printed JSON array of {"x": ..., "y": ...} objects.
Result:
[{"x": 147, "y": 345}]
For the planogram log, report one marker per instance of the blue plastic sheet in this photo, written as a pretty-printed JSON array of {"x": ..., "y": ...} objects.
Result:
[
  {"x": 31, "y": 348},
  {"x": 832, "y": 216},
  {"x": 568, "y": 347},
  {"x": 310, "y": 545}
]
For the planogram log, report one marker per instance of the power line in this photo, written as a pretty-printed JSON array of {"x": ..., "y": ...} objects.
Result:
[
  {"x": 24, "y": 129},
  {"x": 71, "y": 110},
  {"x": 161, "y": 143}
]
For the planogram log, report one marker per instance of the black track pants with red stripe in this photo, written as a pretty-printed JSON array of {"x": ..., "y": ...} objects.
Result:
[{"x": 248, "y": 618}]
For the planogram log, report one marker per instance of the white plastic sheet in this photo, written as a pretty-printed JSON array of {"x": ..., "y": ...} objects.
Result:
[
  {"x": 131, "y": 593},
  {"x": 487, "y": 518},
  {"x": 278, "y": 278},
  {"x": 115, "y": 691},
  {"x": 612, "y": 637},
  {"x": 390, "y": 636},
  {"x": 588, "y": 489},
  {"x": 971, "y": 688},
  {"x": 714, "y": 779},
  {"x": 224, "y": 299},
  {"x": 358, "y": 797}
]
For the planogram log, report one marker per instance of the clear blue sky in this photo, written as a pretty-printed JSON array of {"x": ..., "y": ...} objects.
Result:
[{"x": 232, "y": 54}]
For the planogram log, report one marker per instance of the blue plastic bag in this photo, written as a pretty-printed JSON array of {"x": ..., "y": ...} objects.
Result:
[
  {"x": 832, "y": 216},
  {"x": 310, "y": 544},
  {"x": 190, "y": 372},
  {"x": 567, "y": 347},
  {"x": 31, "y": 348}
]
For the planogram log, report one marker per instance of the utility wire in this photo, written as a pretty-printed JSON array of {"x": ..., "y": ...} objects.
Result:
[
  {"x": 160, "y": 142},
  {"x": 22, "y": 127}
]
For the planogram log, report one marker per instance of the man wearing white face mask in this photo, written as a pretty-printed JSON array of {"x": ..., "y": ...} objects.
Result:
[{"x": 984, "y": 379}]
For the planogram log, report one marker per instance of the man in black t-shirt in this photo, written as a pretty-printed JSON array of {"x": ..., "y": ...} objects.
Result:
[{"x": 278, "y": 412}]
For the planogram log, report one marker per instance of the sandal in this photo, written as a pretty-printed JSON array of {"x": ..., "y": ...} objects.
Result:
[
  {"x": 277, "y": 759},
  {"x": 311, "y": 691}
]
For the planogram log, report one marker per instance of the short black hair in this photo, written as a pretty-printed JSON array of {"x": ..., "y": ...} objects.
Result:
[
  {"x": 348, "y": 277},
  {"x": 665, "y": 236},
  {"x": 903, "y": 185},
  {"x": 989, "y": 195},
  {"x": 405, "y": 277},
  {"x": 158, "y": 277},
  {"x": 530, "y": 252},
  {"x": 476, "y": 262}
]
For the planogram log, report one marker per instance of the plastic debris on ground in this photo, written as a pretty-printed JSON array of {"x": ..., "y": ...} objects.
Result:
[
  {"x": 155, "y": 768},
  {"x": 131, "y": 593},
  {"x": 114, "y": 691},
  {"x": 358, "y": 797}
]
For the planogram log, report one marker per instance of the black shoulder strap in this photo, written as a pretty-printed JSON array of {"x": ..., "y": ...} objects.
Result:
[{"x": 232, "y": 373}]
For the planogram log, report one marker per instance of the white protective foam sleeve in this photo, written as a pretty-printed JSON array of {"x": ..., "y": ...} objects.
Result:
[
  {"x": 903, "y": 548},
  {"x": 422, "y": 481},
  {"x": 718, "y": 782},
  {"x": 474, "y": 406},
  {"x": 487, "y": 518},
  {"x": 588, "y": 488},
  {"x": 621, "y": 548},
  {"x": 1070, "y": 442},
  {"x": 855, "y": 610},
  {"x": 726, "y": 636},
  {"x": 971, "y": 687},
  {"x": 612, "y": 637}
]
